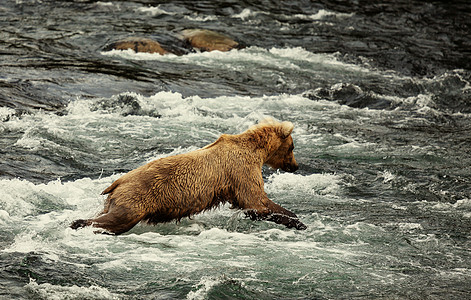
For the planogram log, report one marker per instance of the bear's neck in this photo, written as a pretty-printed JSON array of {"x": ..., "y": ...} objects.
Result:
[{"x": 263, "y": 143}]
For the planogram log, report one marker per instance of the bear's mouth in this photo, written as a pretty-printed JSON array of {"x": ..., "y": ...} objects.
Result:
[{"x": 290, "y": 168}]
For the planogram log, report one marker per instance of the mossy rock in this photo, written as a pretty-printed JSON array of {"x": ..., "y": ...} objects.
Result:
[
  {"x": 208, "y": 40},
  {"x": 138, "y": 45}
]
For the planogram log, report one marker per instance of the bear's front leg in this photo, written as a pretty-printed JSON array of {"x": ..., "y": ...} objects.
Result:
[
  {"x": 273, "y": 212},
  {"x": 251, "y": 197}
]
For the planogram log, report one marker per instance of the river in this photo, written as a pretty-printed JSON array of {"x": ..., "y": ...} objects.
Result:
[{"x": 380, "y": 96}]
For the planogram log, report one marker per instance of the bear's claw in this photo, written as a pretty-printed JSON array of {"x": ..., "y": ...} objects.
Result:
[{"x": 79, "y": 224}]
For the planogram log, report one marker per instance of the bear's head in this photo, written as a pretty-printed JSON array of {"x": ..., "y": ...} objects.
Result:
[{"x": 281, "y": 156}]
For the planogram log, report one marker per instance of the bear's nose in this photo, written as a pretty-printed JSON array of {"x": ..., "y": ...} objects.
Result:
[{"x": 291, "y": 168}]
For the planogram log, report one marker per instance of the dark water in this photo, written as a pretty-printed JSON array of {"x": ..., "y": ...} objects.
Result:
[{"x": 380, "y": 96}]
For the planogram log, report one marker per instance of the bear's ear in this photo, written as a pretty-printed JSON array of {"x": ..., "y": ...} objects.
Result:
[
  {"x": 286, "y": 129},
  {"x": 268, "y": 120}
]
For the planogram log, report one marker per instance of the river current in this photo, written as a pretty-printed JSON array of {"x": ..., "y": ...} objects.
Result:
[{"x": 380, "y": 96}]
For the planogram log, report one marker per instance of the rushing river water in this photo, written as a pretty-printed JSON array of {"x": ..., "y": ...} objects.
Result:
[{"x": 380, "y": 96}]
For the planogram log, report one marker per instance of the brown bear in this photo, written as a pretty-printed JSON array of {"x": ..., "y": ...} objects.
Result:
[{"x": 228, "y": 170}]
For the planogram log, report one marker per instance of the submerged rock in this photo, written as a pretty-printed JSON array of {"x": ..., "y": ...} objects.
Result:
[
  {"x": 138, "y": 45},
  {"x": 125, "y": 105},
  {"x": 350, "y": 95},
  {"x": 208, "y": 40}
]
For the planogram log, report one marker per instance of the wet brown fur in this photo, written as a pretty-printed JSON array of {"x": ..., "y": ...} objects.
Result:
[{"x": 228, "y": 170}]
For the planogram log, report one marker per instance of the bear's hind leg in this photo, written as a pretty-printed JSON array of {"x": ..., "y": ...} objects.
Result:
[{"x": 116, "y": 221}]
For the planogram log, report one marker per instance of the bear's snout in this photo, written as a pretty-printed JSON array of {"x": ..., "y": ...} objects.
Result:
[{"x": 290, "y": 168}]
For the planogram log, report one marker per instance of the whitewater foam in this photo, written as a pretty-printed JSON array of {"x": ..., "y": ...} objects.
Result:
[
  {"x": 58, "y": 292},
  {"x": 5, "y": 114},
  {"x": 204, "y": 286},
  {"x": 296, "y": 58},
  {"x": 315, "y": 184},
  {"x": 323, "y": 14},
  {"x": 154, "y": 10},
  {"x": 247, "y": 13},
  {"x": 386, "y": 176}
]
